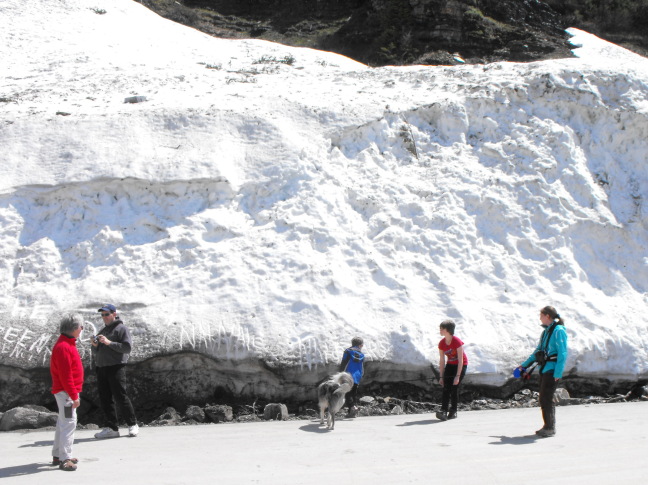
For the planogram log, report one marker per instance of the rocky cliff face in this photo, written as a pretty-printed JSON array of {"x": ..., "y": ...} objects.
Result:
[
  {"x": 434, "y": 32},
  {"x": 279, "y": 11},
  {"x": 443, "y": 32},
  {"x": 382, "y": 32},
  {"x": 185, "y": 379}
]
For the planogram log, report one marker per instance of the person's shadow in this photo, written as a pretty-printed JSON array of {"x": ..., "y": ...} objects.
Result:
[
  {"x": 425, "y": 421},
  {"x": 36, "y": 444},
  {"x": 514, "y": 440},
  {"x": 27, "y": 469}
]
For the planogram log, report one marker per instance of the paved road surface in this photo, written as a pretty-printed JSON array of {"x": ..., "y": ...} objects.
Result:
[{"x": 595, "y": 444}]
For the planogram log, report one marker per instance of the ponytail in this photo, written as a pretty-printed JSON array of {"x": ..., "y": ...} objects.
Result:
[{"x": 551, "y": 311}]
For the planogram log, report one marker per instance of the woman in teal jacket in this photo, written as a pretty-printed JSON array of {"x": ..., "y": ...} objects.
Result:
[{"x": 550, "y": 355}]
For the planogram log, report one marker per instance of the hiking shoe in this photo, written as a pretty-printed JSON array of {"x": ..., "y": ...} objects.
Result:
[
  {"x": 57, "y": 462},
  {"x": 442, "y": 415},
  {"x": 107, "y": 433},
  {"x": 353, "y": 412},
  {"x": 546, "y": 433},
  {"x": 452, "y": 415},
  {"x": 68, "y": 466},
  {"x": 133, "y": 430}
]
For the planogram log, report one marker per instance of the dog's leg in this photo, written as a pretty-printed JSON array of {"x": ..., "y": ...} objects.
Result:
[
  {"x": 332, "y": 420},
  {"x": 321, "y": 414}
]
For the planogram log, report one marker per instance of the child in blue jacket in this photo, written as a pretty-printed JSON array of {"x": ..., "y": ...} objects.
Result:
[{"x": 353, "y": 363}]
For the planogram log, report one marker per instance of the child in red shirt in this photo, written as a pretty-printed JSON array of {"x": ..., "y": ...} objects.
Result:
[{"x": 453, "y": 371}]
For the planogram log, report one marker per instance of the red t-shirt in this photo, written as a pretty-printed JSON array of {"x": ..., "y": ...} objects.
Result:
[{"x": 451, "y": 350}]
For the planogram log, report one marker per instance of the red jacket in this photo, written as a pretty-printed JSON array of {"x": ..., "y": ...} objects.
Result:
[{"x": 66, "y": 367}]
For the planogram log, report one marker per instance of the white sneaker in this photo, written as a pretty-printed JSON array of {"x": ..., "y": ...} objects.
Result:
[
  {"x": 133, "y": 430},
  {"x": 107, "y": 433}
]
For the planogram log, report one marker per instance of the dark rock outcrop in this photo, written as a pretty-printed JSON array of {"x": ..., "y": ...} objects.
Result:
[
  {"x": 34, "y": 416},
  {"x": 378, "y": 32},
  {"x": 219, "y": 413},
  {"x": 170, "y": 417},
  {"x": 27, "y": 417},
  {"x": 195, "y": 413},
  {"x": 427, "y": 31},
  {"x": 275, "y": 411}
]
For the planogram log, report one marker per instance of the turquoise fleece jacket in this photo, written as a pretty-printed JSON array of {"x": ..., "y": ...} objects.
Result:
[{"x": 557, "y": 346}]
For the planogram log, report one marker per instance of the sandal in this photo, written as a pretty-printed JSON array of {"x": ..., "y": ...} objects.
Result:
[
  {"x": 68, "y": 466},
  {"x": 57, "y": 462}
]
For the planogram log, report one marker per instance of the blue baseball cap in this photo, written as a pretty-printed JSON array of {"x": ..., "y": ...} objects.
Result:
[{"x": 108, "y": 307}]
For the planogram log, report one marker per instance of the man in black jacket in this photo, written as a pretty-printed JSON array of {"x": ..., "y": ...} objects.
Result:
[{"x": 110, "y": 350}]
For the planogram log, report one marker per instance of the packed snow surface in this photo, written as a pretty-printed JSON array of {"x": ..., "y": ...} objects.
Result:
[{"x": 263, "y": 201}]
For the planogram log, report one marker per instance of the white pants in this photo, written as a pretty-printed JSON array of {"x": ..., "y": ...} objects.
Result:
[{"x": 65, "y": 427}]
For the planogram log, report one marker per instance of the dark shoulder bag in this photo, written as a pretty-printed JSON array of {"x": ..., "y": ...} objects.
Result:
[{"x": 541, "y": 356}]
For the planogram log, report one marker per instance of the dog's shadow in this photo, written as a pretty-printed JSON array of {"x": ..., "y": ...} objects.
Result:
[{"x": 315, "y": 427}]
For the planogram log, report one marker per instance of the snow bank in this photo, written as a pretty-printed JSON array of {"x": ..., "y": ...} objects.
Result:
[{"x": 272, "y": 202}]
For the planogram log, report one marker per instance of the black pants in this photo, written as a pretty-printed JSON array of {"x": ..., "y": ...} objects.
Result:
[
  {"x": 450, "y": 391},
  {"x": 111, "y": 381},
  {"x": 548, "y": 386},
  {"x": 352, "y": 396}
]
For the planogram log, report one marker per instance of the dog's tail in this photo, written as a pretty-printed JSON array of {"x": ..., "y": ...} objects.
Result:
[{"x": 344, "y": 380}]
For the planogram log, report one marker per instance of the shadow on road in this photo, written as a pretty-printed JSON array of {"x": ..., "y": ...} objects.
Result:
[
  {"x": 315, "y": 428},
  {"x": 28, "y": 469},
  {"x": 425, "y": 421},
  {"x": 37, "y": 444},
  {"x": 514, "y": 440}
]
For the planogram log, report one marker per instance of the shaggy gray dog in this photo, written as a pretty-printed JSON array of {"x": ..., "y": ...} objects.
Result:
[{"x": 331, "y": 394}]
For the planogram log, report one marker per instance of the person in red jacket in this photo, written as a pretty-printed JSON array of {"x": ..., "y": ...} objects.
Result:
[{"x": 67, "y": 381}]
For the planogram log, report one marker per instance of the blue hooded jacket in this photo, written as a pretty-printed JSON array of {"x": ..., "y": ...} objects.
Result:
[{"x": 353, "y": 363}]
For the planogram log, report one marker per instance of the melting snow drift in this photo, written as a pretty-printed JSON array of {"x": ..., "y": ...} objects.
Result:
[{"x": 267, "y": 202}]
